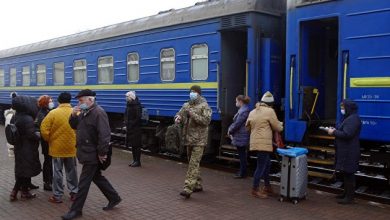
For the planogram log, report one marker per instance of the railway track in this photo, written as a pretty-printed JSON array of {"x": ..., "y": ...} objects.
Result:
[{"x": 369, "y": 187}]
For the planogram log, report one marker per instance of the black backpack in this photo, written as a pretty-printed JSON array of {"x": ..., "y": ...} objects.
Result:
[{"x": 11, "y": 133}]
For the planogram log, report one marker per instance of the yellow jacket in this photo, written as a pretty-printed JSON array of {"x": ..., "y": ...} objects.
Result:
[
  {"x": 56, "y": 130},
  {"x": 261, "y": 122}
]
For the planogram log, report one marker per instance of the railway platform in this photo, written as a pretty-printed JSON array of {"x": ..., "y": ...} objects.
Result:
[{"x": 152, "y": 192}]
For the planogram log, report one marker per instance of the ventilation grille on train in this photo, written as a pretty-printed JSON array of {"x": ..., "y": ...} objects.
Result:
[{"x": 234, "y": 21}]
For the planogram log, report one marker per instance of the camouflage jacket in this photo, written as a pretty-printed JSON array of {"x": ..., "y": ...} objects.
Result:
[{"x": 195, "y": 119}]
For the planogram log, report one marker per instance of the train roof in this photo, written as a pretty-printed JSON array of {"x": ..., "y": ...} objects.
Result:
[{"x": 200, "y": 11}]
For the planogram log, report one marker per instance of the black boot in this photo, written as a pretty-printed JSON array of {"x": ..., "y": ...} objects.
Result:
[
  {"x": 349, "y": 190},
  {"x": 136, "y": 157}
]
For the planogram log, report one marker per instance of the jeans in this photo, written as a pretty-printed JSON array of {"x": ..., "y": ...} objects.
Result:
[
  {"x": 71, "y": 175},
  {"x": 242, "y": 153},
  {"x": 262, "y": 169}
]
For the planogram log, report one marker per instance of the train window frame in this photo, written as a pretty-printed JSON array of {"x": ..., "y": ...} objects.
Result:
[
  {"x": 132, "y": 62},
  {"x": 80, "y": 68},
  {"x": 55, "y": 74},
  {"x": 105, "y": 65},
  {"x": 2, "y": 78},
  {"x": 198, "y": 57},
  {"x": 26, "y": 75},
  {"x": 12, "y": 76},
  {"x": 167, "y": 59},
  {"x": 41, "y": 72}
]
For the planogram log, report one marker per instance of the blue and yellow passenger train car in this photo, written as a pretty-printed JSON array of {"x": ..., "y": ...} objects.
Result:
[{"x": 226, "y": 47}]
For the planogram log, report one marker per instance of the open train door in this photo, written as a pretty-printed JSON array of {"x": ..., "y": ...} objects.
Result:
[{"x": 314, "y": 82}]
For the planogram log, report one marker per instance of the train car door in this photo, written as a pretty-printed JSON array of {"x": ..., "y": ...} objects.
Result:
[
  {"x": 316, "y": 92},
  {"x": 233, "y": 77}
]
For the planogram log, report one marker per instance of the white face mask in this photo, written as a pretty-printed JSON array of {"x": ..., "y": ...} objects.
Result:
[
  {"x": 51, "y": 105},
  {"x": 238, "y": 105},
  {"x": 342, "y": 111},
  {"x": 193, "y": 95}
]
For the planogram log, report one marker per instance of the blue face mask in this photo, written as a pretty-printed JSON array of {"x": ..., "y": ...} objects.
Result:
[
  {"x": 83, "y": 106},
  {"x": 193, "y": 95}
]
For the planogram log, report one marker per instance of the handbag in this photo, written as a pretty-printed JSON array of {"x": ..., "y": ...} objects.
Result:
[{"x": 277, "y": 141}]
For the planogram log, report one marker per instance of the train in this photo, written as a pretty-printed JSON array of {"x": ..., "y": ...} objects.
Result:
[{"x": 311, "y": 54}]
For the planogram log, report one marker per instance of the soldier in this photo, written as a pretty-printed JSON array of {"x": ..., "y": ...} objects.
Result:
[{"x": 194, "y": 116}]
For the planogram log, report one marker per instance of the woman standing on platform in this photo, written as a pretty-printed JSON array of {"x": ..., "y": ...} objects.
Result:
[
  {"x": 347, "y": 148},
  {"x": 27, "y": 162},
  {"x": 261, "y": 123},
  {"x": 45, "y": 104},
  {"x": 133, "y": 116},
  {"x": 239, "y": 135}
]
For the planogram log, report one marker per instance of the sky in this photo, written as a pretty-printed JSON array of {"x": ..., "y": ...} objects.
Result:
[{"x": 28, "y": 21}]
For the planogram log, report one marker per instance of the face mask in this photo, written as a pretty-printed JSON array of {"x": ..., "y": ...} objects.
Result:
[
  {"x": 238, "y": 105},
  {"x": 83, "y": 106},
  {"x": 193, "y": 95},
  {"x": 51, "y": 105},
  {"x": 342, "y": 111}
]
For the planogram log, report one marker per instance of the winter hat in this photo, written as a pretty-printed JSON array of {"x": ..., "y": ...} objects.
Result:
[
  {"x": 85, "y": 92},
  {"x": 64, "y": 97},
  {"x": 197, "y": 89},
  {"x": 131, "y": 95},
  {"x": 13, "y": 95},
  {"x": 267, "y": 97}
]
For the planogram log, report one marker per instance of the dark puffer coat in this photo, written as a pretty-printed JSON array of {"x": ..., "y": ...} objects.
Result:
[
  {"x": 41, "y": 115},
  {"x": 133, "y": 116},
  {"x": 347, "y": 139},
  {"x": 237, "y": 128},
  {"x": 27, "y": 162}
]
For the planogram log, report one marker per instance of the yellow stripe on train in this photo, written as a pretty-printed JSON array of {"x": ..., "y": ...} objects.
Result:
[
  {"x": 370, "y": 82},
  {"x": 203, "y": 85}
]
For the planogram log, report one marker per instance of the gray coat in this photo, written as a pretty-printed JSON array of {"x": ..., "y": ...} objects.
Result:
[
  {"x": 237, "y": 128},
  {"x": 93, "y": 134},
  {"x": 347, "y": 140}
]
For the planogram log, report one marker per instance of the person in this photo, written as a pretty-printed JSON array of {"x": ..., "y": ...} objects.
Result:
[
  {"x": 27, "y": 162},
  {"x": 239, "y": 134},
  {"x": 55, "y": 129},
  {"x": 261, "y": 123},
  {"x": 45, "y": 104},
  {"x": 195, "y": 117},
  {"x": 347, "y": 148},
  {"x": 8, "y": 114},
  {"x": 133, "y": 115},
  {"x": 92, "y": 140}
]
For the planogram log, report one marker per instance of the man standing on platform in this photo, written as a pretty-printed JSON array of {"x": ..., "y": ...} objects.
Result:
[
  {"x": 195, "y": 117},
  {"x": 92, "y": 138}
]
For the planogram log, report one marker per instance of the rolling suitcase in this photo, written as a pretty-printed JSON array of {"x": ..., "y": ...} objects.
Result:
[{"x": 293, "y": 180}]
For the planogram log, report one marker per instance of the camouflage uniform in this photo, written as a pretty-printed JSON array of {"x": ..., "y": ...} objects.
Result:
[{"x": 195, "y": 118}]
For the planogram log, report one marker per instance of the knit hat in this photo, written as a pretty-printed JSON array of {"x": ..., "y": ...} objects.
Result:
[
  {"x": 267, "y": 97},
  {"x": 131, "y": 95},
  {"x": 197, "y": 89},
  {"x": 64, "y": 97}
]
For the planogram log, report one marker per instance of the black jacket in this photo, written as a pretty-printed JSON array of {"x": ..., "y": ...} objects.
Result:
[
  {"x": 93, "y": 134},
  {"x": 347, "y": 139},
  {"x": 27, "y": 162},
  {"x": 41, "y": 115},
  {"x": 133, "y": 116}
]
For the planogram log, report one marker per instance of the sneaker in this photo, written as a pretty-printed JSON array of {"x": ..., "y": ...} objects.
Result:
[{"x": 53, "y": 199}]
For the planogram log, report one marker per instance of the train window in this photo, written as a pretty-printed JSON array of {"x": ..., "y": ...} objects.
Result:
[
  {"x": 58, "y": 76},
  {"x": 41, "y": 75},
  {"x": 106, "y": 69},
  {"x": 26, "y": 76},
  {"x": 80, "y": 72},
  {"x": 199, "y": 62},
  {"x": 132, "y": 67},
  {"x": 1, "y": 77},
  {"x": 12, "y": 77},
  {"x": 167, "y": 57}
]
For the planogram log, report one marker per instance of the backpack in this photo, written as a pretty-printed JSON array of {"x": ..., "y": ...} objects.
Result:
[{"x": 12, "y": 134}]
